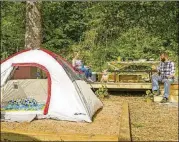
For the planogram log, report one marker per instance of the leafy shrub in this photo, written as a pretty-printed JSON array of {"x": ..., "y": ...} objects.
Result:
[
  {"x": 149, "y": 96},
  {"x": 102, "y": 92}
]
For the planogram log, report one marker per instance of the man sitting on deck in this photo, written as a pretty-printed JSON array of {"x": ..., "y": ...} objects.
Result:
[{"x": 166, "y": 72}]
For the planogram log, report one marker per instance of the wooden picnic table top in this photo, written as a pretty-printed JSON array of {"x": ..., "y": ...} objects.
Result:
[
  {"x": 132, "y": 71},
  {"x": 121, "y": 65},
  {"x": 136, "y": 62}
]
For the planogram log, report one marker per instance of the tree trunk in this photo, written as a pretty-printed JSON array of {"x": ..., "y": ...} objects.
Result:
[{"x": 33, "y": 35}]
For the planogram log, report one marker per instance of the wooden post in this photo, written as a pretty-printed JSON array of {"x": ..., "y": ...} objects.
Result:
[{"x": 124, "y": 130}]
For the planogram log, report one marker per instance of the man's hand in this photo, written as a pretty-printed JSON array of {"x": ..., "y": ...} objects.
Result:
[{"x": 154, "y": 68}]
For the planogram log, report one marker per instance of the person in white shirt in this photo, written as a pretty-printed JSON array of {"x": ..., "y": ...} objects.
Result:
[{"x": 78, "y": 65}]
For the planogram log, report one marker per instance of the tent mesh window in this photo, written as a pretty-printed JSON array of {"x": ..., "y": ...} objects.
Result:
[
  {"x": 70, "y": 71},
  {"x": 27, "y": 93}
]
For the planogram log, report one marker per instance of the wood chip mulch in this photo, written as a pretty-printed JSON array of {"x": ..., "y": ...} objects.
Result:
[
  {"x": 106, "y": 122},
  {"x": 149, "y": 121}
]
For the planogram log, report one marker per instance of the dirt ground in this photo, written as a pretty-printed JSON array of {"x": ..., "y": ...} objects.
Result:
[
  {"x": 106, "y": 122},
  {"x": 149, "y": 122}
]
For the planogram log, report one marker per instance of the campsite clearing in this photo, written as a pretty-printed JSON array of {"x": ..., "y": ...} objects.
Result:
[
  {"x": 106, "y": 122},
  {"x": 149, "y": 122}
]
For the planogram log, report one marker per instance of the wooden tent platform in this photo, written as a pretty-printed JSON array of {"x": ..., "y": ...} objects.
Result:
[
  {"x": 128, "y": 86},
  {"x": 138, "y": 87},
  {"x": 131, "y": 86}
]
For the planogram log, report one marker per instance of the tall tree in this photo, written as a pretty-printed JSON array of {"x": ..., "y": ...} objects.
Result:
[{"x": 33, "y": 35}]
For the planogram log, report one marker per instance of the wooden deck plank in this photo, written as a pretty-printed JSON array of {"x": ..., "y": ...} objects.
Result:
[
  {"x": 130, "y": 86},
  {"x": 123, "y": 85},
  {"x": 20, "y": 136},
  {"x": 124, "y": 130}
]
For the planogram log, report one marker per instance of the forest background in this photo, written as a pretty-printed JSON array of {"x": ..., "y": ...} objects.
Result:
[{"x": 101, "y": 31}]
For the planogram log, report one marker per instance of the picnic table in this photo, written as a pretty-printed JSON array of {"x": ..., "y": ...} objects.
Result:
[{"x": 132, "y": 71}]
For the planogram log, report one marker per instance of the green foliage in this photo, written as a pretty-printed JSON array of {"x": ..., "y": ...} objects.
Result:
[
  {"x": 101, "y": 31},
  {"x": 4, "y": 55},
  {"x": 149, "y": 97},
  {"x": 145, "y": 45},
  {"x": 128, "y": 30},
  {"x": 102, "y": 92},
  {"x": 63, "y": 25},
  {"x": 137, "y": 125},
  {"x": 12, "y": 27}
]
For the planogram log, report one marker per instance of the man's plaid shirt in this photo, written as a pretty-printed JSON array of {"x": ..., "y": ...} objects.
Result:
[{"x": 166, "y": 68}]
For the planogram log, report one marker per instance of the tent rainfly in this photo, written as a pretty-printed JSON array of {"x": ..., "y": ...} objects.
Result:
[{"x": 68, "y": 96}]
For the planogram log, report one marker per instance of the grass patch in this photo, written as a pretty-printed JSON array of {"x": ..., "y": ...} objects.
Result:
[{"x": 137, "y": 125}]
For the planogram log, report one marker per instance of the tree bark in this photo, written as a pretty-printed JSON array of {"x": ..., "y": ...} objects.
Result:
[{"x": 33, "y": 35}]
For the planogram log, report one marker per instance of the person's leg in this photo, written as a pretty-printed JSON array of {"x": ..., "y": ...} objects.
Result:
[
  {"x": 83, "y": 69},
  {"x": 89, "y": 73},
  {"x": 155, "y": 84},
  {"x": 167, "y": 83},
  {"x": 86, "y": 72}
]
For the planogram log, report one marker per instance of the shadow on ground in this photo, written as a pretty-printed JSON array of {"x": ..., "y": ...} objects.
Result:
[
  {"x": 8, "y": 137},
  {"x": 95, "y": 115},
  {"x": 132, "y": 93}
]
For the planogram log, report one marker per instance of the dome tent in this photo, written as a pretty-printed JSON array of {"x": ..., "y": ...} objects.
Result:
[{"x": 68, "y": 97}]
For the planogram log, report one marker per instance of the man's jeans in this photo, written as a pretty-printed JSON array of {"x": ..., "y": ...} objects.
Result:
[
  {"x": 155, "y": 84},
  {"x": 87, "y": 72}
]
